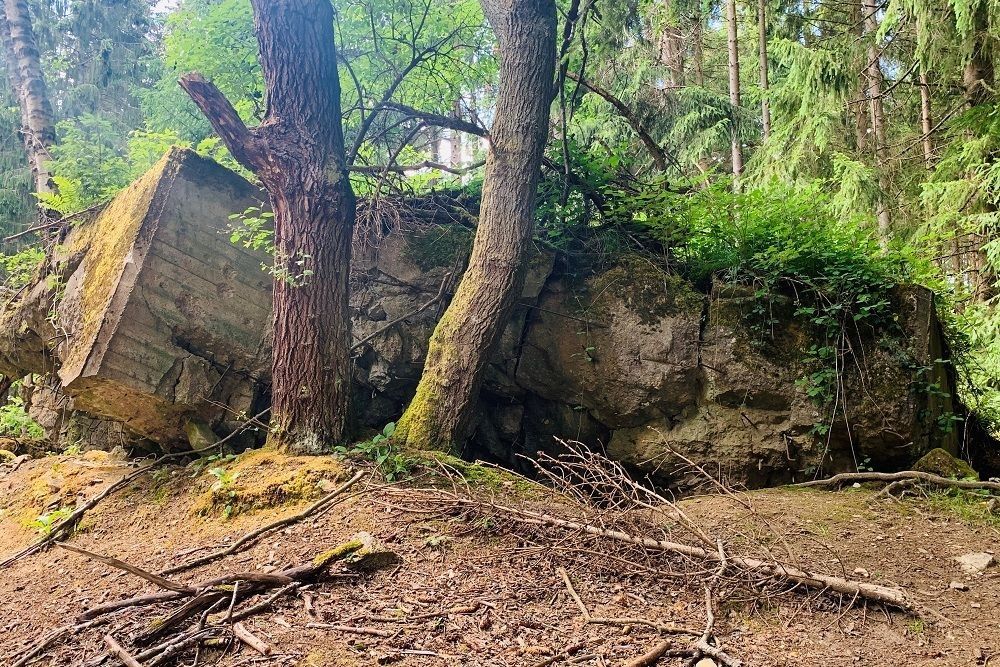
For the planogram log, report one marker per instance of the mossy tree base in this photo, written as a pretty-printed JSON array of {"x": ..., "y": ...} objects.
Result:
[{"x": 470, "y": 329}]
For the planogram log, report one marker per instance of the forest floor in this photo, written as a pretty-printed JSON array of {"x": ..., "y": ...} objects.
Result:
[{"x": 470, "y": 591}]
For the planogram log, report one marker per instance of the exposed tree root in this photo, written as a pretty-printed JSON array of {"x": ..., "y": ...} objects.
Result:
[{"x": 840, "y": 480}]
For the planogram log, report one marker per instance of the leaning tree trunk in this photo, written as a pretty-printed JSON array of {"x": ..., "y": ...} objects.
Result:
[
  {"x": 734, "y": 86},
  {"x": 25, "y": 73},
  {"x": 298, "y": 154},
  {"x": 468, "y": 333}
]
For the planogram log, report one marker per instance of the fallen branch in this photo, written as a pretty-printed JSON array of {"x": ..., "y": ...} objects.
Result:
[
  {"x": 251, "y": 640},
  {"x": 116, "y": 650},
  {"x": 893, "y": 597},
  {"x": 929, "y": 478},
  {"x": 165, "y": 584},
  {"x": 652, "y": 656},
  {"x": 696, "y": 649}
]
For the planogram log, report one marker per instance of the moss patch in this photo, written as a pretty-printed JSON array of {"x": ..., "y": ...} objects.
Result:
[
  {"x": 110, "y": 239},
  {"x": 438, "y": 246},
  {"x": 646, "y": 289},
  {"x": 264, "y": 478},
  {"x": 482, "y": 476},
  {"x": 939, "y": 462}
]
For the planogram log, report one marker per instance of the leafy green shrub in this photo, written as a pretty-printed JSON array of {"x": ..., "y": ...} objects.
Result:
[
  {"x": 45, "y": 523},
  {"x": 20, "y": 267},
  {"x": 391, "y": 464},
  {"x": 15, "y": 422}
]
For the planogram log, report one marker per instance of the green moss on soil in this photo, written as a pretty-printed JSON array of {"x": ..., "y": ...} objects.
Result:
[
  {"x": 482, "y": 476},
  {"x": 265, "y": 479}
]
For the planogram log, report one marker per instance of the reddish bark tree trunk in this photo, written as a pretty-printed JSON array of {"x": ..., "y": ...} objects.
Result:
[
  {"x": 298, "y": 154},
  {"x": 765, "y": 102},
  {"x": 468, "y": 333}
]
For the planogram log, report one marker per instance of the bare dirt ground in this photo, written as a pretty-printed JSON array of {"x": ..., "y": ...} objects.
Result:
[{"x": 471, "y": 591}]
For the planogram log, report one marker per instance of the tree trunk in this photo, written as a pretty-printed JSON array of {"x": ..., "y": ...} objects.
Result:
[
  {"x": 298, "y": 154},
  {"x": 734, "y": 86},
  {"x": 978, "y": 74},
  {"x": 698, "y": 48},
  {"x": 877, "y": 115},
  {"x": 672, "y": 55},
  {"x": 765, "y": 102},
  {"x": 25, "y": 72},
  {"x": 926, "y": 126},
  {"x": 466, "y": 337}
]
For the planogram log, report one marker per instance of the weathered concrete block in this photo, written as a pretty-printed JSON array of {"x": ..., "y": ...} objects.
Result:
[{"x": 164, "y": 318}]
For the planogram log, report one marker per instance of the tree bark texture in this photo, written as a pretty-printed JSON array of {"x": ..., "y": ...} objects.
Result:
[
  {"x": 298, "y": 154},
  {"x": 926, "y": 124},
  {"x": 765, "y": 102},
  {"x": 873, "y": 75},
  {"x": 698, "y": 48},
  {"x": 25, "y": 71},
  {"x": 734, "y": 85},
  {"x": 978, "y": 75},
  {"x": 671, "y": 54},
  {"x": 466, "y": 337}
]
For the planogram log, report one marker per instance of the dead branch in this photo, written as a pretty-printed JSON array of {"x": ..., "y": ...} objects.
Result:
[
  {"x": 652, "y": 656},
  {"x": 361, "y": 554},
  {"x": 138, "y": 601},
  {"x": 696, "y": 649},
  {"x": 165, "y": 584},
  {"x": 659, "y": 155},
  {"x": 437, "y": 298},
  {"x": 426, "y": 164},
  {"x": 280, "y": 523},
  {"x": 251, "y": 640},
  {"x": 757, "y": 568},
  {"x": 116, "y": 650},
  {"x": 861, "y": 477}
]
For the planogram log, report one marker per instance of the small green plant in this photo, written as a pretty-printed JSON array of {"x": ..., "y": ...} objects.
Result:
[
  {"x": 198, "y": 465},
  {"x": 16, "y": 423},
  {"x": 971, "y": 506},
  {"x": 391, "y": 464},
  {"x": 20, "y": 267},
  {"x": 44, "y": 524},
  {"x": 223, "y": 486}
]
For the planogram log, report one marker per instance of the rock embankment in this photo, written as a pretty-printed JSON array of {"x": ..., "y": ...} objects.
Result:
[{"x": 152, "y": 325}]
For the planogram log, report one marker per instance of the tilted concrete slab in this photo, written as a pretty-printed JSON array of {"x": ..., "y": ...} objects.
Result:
[{"x": 163, "y": 309}]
